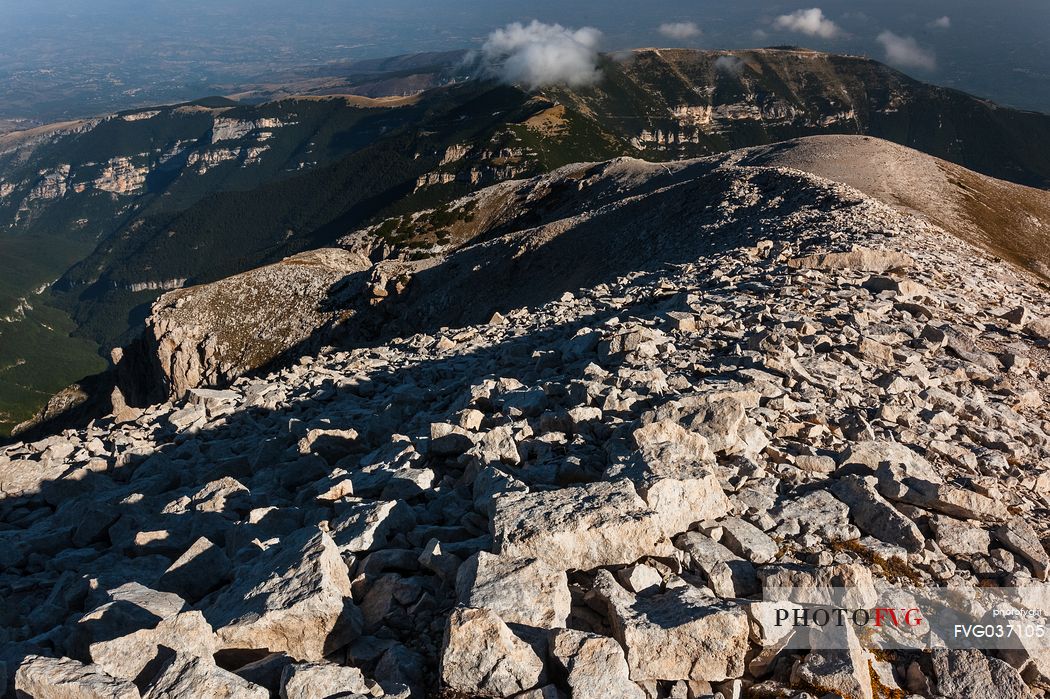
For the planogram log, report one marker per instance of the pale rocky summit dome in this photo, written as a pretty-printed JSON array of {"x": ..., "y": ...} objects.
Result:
[{"x": 704, "y": 380}]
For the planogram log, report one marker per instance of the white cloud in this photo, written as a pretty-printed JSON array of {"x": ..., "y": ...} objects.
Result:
[
  {"x": 941, "y": 23},
  {"x": 537, "y": 55},
  {"x": 729, "y": 64},
  {"x": 905, "y": 52},
  {"x": 811, "y": 22},
  {"x": 680, "y": 30}
]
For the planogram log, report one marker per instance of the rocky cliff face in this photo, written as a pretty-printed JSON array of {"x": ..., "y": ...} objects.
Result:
[
  {"x": 704, "y": 383},
  {"x": 210, "y": 335}
]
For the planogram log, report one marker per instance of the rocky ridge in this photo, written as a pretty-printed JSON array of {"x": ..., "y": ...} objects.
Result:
[
  {"x": 516, "y": 239},
  {"x": 761, "y": 377}
]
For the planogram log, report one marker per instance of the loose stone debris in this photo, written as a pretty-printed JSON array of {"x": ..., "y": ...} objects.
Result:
[{"x": 586, "y": 498}]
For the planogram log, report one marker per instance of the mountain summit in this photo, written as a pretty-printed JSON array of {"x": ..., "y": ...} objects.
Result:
[{"x": 566, "y": 439}]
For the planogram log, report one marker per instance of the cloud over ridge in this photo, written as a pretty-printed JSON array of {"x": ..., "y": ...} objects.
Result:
[
  {"x": 905, "y": 52},
  {"x": 680, "y": 30},
  {"x": 538, "y": 55},
  {"x": 811, "y": 22}
]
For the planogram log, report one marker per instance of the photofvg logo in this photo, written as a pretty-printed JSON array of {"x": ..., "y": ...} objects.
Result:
[
  {"x": 902, "y": 618},
  {"x": 821, "y": 617}
]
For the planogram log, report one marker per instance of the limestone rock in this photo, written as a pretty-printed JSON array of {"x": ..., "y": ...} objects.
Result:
[
  {"x": 203, "y": 568},
  {"x": 295, "y": 598},
  {"x": 860, "y": 259},
  {"x": 969, "y": 674},
  {"x": 63, "y": 678},
  {"x": 322, "y": 680},
  {"x": 520, "y": 591},
  {"x": 593, "y": 665},
  {"x": 747, "y": 540},
  {"x": 1018, "y": 536},
  {"x": 129, "y": 631},
  {"x": 837, "y": 664},
  {"x": 482, "y": 657},
  {"x": 874, "y": 515},
  {"x": 944, "y": 498},
  {"x": 727, "y": 574},
  {"x": 677, "y": 635},
  {"x": 366, "y": 525},
  {"x": 189, "y": 677},
  {"x": 581, "y": 527},
  {"x": 845, "y": 585}
]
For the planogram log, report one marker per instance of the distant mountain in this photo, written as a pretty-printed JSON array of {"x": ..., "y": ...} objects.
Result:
[{"x": 134, "y": 204}]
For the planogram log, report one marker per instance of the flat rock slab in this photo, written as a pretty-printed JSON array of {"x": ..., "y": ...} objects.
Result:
[
  {"x": 322, "y": 680},
  {"x": 680, "y": 634},
  {"x": 580, "y": 527},
  {"x": 521, "y": 590},
  {"x": 859, "y": 259}
]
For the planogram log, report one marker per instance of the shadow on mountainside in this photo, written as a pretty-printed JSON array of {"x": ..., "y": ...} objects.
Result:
[
  {"x": 129, "y": 522},
  {"x": 675, "y": 218},
  {"x": 142, "y": 508}
]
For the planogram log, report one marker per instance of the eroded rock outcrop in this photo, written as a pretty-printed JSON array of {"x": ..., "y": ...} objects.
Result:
[{"x": 211, "y": 334}]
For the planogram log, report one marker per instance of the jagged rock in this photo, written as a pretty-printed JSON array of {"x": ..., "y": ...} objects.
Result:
[
  {"x": 482, "y": 657},
  {"x": 677, "y": 635},
  {"x": 1039, "y": 328},
  {"x": 670, "y": 477},
  {"x": 874, "y": 515},
  {"x": 203, "y": 568},
  {"x": 61, "y": 678},
  {"x": 190, "y": 677},
  {"x": 903, "y": 288},
  {"x": 366, "y": 525},
  {"x": 594, "y": 665},
  {"x": 891, "y": 461},
  {"x": 819, "y": 515},
  {"x": 943, "y": 498},
  {"x": 640, "y": 579},
  {"x": 727, "y": 575},
  {"x": 580, "y": 527},
  {"x": 847, "y": 585},
  {"x": 27, "y": 477},
  {"x": 322, "y": 680},
  {"x": 747, "y": 540},
  {"x": 521, "y": 591},
  {"x": 837, "y": 665},
  {"x": 136, "y": 625},
  {"x": 667, "y": 441},
  {"x": 330, "y": 444},
  {"x": 957, "y": 538},
  {"x": 295, "y": 598},
  {"x": 1018, "y": 536},
  {"x": 969, "y": 674}
]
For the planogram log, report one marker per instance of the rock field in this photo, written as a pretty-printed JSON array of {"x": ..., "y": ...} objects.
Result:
[{"x": 583, "y": 498}]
